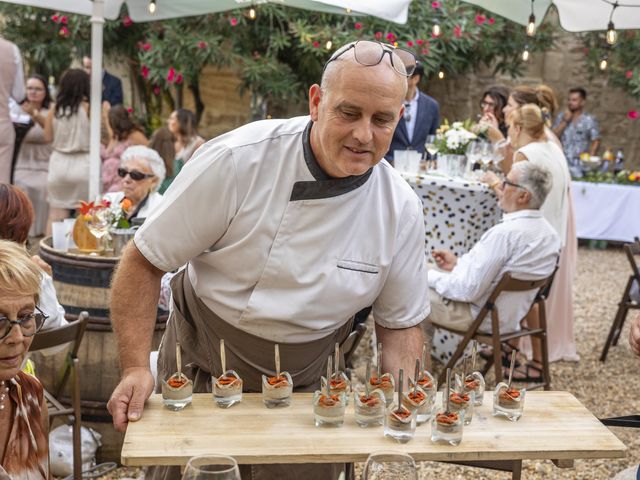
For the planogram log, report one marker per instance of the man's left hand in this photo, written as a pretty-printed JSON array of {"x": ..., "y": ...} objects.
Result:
[{"x": 445, "y": 259}]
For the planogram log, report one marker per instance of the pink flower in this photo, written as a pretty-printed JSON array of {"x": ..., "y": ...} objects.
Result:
[
  {"x": 63, "y": 32},
  {"x": 171, "y": 74},
  {"x": 202, "y": 44},
  {"x": 629, "y": 74},
  {"x": 457, "y": 31},
  {"x": 55, "y": 18},
  {"x": 391, "y": 36},
  {"x": 480, "y": 19},
  {"x": 156, "y": 90},
  {"x": 64, "y": 20},
  {"x": 492, "y": 21},
  {"x": 425, "y": 51},
  {"x": 378, "y": 35},
  {"x": 632, "y": 114},
  {"x": 436, "y": 4},
  {"x": 179, "y": 79},
  {"x": 126, "y": 21},
  {"x": 409, "y": 43},
  {"x": 146, "y": 46},
  {"x": 144, "y": 71},
  {"x": 129, "y": 109},
  {"x": 419, "y": 41},
  {"x": 316, "y": 44},
  {"x": 357, "y": 26},
  {"x": 233, "y": 21}
]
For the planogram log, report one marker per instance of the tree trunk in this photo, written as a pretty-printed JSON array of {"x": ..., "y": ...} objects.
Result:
[{"x": 195, "y": 90}]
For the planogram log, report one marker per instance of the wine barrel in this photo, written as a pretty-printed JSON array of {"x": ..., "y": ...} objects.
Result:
[{"x": 83, "y": 282}]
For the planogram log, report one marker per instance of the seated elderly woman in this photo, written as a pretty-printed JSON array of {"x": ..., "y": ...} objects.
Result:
[
  {"x": 16, "y": 217},
  {"x": 142, "y": 171},
  {"x": 24, "y": 423}
]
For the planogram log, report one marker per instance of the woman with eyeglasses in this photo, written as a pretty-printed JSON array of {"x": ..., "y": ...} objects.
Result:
[
  {"x": 141, "y": 171},
  {"x": 124, "y": 132},
  {"x": 32, "y": 163},
  {"x": 494, "y": 99},
  {"x": 24, "y": 422}
]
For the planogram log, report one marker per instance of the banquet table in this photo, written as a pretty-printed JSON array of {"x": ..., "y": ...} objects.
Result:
[
  {"x": 555, "y": 426},
  {"x": 456, "y": 211},
  {"x": 606, "y": 211}
]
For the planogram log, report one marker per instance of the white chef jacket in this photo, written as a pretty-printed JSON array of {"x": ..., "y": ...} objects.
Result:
[
  {"x": 278, "y": 249},
  {"x": 523, "y": 244}
]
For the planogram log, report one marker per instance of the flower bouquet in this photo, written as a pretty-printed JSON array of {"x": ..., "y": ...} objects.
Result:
[
  {"x": 96, "y": 220},
  {"x": 452, "y": 141}
]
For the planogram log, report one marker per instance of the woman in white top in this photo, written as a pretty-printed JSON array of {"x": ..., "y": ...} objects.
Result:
[
  {"x": 530, "y": 142},
  {"x": 142, "y": 170}
]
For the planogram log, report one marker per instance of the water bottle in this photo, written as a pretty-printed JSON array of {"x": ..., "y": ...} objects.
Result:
[{"x": 619, "y": 165}]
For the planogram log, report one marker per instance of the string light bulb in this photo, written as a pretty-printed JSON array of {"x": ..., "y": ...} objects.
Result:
[
  {"x": 612, "y": 35},
  {"x": 252, "y": 13},
  {"x": 531, "y": 26},
  {"x": 441, "y": 75},
  {"x": 436, "y": 30},
  {"x": 526, "y": 54},
  {"x": 152, "y": 6},
  {"x": 348, "y": 10},
  {"x": 604, "y": 63},
  {"x": 328, "y": 45}
]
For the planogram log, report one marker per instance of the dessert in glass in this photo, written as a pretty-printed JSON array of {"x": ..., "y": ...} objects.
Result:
[
  {"x": 277, "y": 390},
  {"x": 227, "y": 388},
  {"x": 447, "y": 426},
  {"x": 370, "y": 405},
  {"x": 382, "y": 381},
  {"x": 329, "y": 407},
  {"x": 429, "y": 386},
  {"x": 339, "y": 382},
  {"x": 474, "y": 381},
  {"x": 399, "y": 421},
  {"x": 462, "y": 402},
  {"x": 508, "y": 401},
  {"x": 177, "y": 390},
  {"x": 416, "y": 400}
]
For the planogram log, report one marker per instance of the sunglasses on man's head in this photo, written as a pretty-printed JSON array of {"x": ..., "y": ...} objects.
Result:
[{"x": 134, "y": 174}]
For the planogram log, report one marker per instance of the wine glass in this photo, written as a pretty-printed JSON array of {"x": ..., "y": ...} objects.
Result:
[
  {"x": 388, "y": 464},
  {"x": 98, "y": 221},
  {"x": 211, "y": 467},
  {"x": 486, "y": 153},
  {"x": 431, "y": 148}
]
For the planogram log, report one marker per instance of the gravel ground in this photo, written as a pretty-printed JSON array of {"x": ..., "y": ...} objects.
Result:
[{"x": 602, "y": 275}]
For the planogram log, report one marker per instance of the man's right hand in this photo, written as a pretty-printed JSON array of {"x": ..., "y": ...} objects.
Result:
[
  {"x": 445, "y": 260},
  {"x": 127, "y": 400},
  {"x": 567, "y": 116}
]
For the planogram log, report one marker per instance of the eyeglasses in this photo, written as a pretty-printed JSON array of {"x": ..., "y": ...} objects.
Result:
[
  {"x": 366, "y": 53},
  {"x": 30, "y": 324},
  {"x": 484, "y": 104},
  {"x": 35, "y": 89},
  {"x": 507, "y": 182},
  {"x": 134, "y": 174}
]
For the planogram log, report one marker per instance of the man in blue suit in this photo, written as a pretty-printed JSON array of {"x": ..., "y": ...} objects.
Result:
[
  {"x": 421, "y": 118},
  {"x": 111, "y": 85}
]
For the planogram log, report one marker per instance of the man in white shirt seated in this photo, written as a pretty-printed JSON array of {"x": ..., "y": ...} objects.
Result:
[{"x": 523, "y": 244}]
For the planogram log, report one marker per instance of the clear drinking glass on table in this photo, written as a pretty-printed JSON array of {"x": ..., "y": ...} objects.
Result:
[
  {"x": 211, "y": 467},
  {"x": 98, "y": 221},
  {"x": 432, "y": 150},
  {"x": 386, "y": 465}
]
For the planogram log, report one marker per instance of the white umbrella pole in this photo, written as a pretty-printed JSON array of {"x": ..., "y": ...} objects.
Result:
[{"x": 97, "y": 25}]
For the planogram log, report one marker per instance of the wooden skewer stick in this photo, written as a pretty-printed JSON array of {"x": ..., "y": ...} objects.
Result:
[
  {"x": 277, "y": 361},
  {"x": 223, "y": 357},
  {"x": 327, "y": 385},
  {"x": 511, "y": 367}
]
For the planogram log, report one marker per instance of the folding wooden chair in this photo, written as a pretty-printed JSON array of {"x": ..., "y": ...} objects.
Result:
[
  {"x": 70, "y": 335},
  {"x": 495, "y": 338},
  {"x": 626, "y": 303}
]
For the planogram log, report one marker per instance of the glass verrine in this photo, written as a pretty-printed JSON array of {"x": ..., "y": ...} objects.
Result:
[
  {"x": 276, "y": 391},
  {"x": 425, "y": 409},
  {"x": 474, "y": 382},
  {"x": 369, "y": 409},
  {"x": 389, "y": 465},
  {"x": 227, "y": 389},
  {"x": 339, "y": 384},
  {"x": 447, "y": 427},
  {"x": 399, "y": 423},
  {"x": 386, "y": 384},
  {"x": 177, "y": 392},
  {"x": 328, "y": 410},
  {"x": 415, "y": 400},
  {"x": 508, "y": 402},
  {"x": 462, "y": 403}
]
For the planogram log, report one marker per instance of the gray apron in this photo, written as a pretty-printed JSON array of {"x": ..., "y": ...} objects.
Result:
[{"x": 199, "y": 331}]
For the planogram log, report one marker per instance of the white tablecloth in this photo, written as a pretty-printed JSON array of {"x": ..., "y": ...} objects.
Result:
[
  {"x": 606, "y": 211},
  {"x": 456, "y": 212}
]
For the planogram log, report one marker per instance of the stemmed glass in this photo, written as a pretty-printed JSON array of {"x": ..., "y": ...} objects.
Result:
[
  {"x": 99, "y": 220},
  {"x": 388, "y": 464},
  {"x": 211, "y": 467},
  {"x": 432, "y": 149}
]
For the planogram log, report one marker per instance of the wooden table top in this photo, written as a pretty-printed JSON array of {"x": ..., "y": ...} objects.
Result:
[{"x": 555, "y": 425}]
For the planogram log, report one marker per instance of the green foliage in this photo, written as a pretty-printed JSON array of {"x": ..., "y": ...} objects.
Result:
[{"x": 624, "y": 177}]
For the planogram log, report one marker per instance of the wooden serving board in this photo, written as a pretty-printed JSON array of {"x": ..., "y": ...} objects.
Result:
[{"x": 555, "y": 426}]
